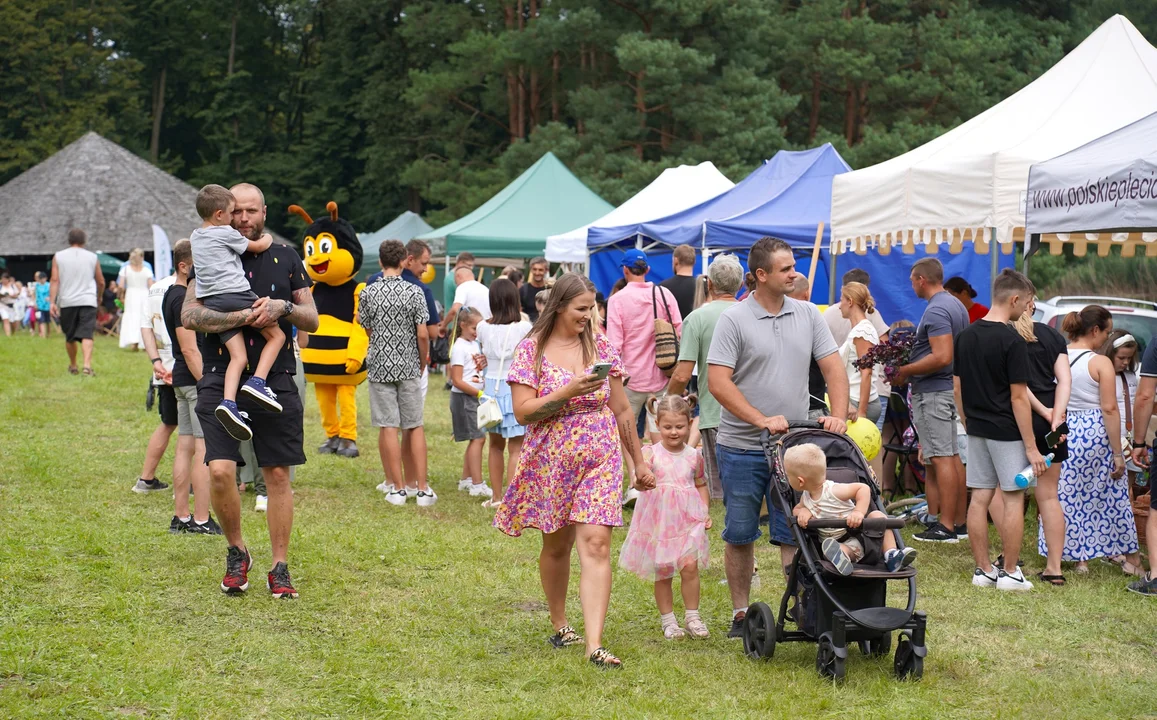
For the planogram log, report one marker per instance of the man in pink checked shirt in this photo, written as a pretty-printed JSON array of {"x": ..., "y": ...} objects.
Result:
[{"x": 631, "y": 329}]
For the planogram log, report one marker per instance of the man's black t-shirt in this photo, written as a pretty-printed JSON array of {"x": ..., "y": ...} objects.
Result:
[
  {"x": 989, "y": 357},
  {"x": 1042, "y": 357},
  {"x": 171, "y": 312},
  {"x": 816, "y": 387},
  {"x": 526, "y": 294},
  {"x": 276, "y": 273},
  {"x": 683, "y": 288}
]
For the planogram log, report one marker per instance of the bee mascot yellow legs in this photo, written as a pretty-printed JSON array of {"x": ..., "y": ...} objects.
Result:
[{"x": 335, "y": 355}]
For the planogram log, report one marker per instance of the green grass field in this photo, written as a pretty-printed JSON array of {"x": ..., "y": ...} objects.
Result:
[{"x": 432, "y": 613}]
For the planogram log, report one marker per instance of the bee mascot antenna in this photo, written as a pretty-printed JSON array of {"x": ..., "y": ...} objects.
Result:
[{"x": 335, "y": 355}]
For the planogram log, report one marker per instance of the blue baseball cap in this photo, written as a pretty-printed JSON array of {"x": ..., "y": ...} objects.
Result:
[{"x": 634, "y": 258}]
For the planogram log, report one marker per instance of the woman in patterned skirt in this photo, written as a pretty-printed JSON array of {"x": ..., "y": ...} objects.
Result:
[
  {"x": 567, "y": 389},
  {"x": 1093, "y": 492}
]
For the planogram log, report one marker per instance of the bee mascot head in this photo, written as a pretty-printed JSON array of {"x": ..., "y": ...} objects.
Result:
[{"x": 333, "y": 254}]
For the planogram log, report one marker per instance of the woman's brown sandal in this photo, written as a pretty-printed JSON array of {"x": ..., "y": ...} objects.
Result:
[
  {"x": 603, "y": 659},
  {"x": 565, "y": 637},
  {"x": 1056, "y": 580}
]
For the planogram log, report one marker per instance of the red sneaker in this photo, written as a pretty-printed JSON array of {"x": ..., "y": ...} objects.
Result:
[
  {"x": 237, "y": 564},
  {"x": 280, "y": 586}
]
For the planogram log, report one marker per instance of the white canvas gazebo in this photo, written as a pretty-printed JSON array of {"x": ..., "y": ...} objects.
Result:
[
  {"x": 970, "y": 183},
  {"x": 675, "y": 189}
]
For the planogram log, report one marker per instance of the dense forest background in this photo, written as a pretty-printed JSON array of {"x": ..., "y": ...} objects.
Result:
[{"x": 432, "y": 105}]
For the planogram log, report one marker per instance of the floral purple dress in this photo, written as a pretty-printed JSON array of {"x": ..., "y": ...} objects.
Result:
[{"x": 571, "y": 467}]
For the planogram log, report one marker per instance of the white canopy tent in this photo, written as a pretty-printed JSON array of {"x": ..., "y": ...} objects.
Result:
[
  {"x": 970, "y": 182},
  {"x": 1107, "y": 186},
  {"x": 675, "y": 189}
]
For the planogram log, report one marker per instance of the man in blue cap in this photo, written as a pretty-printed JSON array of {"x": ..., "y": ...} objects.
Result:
[{"x": 631, "y": 315}]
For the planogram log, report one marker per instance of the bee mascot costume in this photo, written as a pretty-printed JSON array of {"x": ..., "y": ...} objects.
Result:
[{"x": 335, "y": 355}]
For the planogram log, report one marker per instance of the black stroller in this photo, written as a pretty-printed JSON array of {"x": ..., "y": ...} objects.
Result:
[{"x": 831, "y": 609}]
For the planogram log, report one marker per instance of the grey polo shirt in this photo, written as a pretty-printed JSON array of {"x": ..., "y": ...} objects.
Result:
[{"x": 770, "y": 356}]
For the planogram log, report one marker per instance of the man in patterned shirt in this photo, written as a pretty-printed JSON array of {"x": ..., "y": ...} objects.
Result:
[{"x": 394, "y": 314}]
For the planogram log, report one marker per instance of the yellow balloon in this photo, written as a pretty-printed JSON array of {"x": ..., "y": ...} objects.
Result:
[
  {"x": 822, "y": 307},
  {"x": 428, "y": 274},
  {"x": 866, "y": 435}
]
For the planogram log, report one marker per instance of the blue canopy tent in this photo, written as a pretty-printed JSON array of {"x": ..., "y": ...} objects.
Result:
[{"x": 773, "y": 179}]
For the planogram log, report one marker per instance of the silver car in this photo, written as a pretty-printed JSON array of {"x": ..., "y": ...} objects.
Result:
[{"x": 1136, "y": 317}]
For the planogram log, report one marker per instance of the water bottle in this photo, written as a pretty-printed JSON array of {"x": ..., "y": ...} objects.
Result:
[{"x": 1027, "y": 477}]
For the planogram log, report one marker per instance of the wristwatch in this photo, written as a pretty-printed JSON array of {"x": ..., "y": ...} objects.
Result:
[
  {"x": 288, "y": 308},
  {"x": 1139, "y": 445},
  {"x": 155, "y": 360}
]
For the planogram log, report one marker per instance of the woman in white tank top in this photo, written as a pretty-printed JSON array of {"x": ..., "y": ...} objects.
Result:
[{"x": 1093, "y": 493}]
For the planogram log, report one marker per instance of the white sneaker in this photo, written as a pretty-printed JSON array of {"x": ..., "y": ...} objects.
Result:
[
  {"x": 465, "y": 483},
  {"x": 262, "y": 503},
  {"x": 426, "y": 498},
  {"x": 1014, "y": 582},
  {"x": 396, "y": 497},
  {"x": 385, "y": 487},
  {"x": 480, "y": 490},
  {"x": 630, "y": 497},
  {"x": 983, "y": 579},
  {"x": 411, "y": 490}
]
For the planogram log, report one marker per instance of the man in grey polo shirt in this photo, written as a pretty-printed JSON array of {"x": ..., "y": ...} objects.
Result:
[
  {"x": 758, "y": 371},
  {"x": 933, "y": 405}
]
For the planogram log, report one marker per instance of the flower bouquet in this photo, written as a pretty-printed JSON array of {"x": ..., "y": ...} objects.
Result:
[{"x": 892, "y": 353}]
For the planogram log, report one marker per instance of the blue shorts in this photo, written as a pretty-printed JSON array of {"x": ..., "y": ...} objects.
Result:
[{"x": 746, "y": 479}]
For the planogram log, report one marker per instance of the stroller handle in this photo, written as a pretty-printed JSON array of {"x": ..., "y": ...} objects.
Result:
[
  {"x": 765, "y": 436},
  {"x": 868, "y": 523}
]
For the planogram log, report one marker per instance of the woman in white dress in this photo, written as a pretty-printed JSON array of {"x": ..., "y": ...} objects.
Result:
[
  {"x": 499, "y": 337},
  {"x": 864, "y": 400},
  {"x": 9, "y": 294},
  {"x": 1093, "y": 491},
  {"x": 134, "y": 280}
]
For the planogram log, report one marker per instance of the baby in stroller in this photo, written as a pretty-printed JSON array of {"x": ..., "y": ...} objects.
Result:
[{"x": 822, "y": 499}]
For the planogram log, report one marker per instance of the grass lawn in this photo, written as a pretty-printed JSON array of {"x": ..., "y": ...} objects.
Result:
[{"x": 432, "y": 613}]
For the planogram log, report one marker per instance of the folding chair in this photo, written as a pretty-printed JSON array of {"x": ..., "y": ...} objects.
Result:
[{"x": 903, "y": 441}]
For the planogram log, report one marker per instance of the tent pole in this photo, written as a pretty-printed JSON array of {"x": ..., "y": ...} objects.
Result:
[
  {"x": 832, "y": 280},
  {"x": 811, "y": 273},
  {"x": 993, "y": 261}
]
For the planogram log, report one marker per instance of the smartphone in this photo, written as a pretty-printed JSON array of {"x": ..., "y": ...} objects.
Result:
[
  {"x": 601, "y": 369},
  {"x": 1054, "y": 438}
]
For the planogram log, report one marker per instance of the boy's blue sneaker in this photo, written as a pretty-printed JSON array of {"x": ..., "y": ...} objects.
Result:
[
  {"x": 236, "y": 422},
  {"x": 900, "y": 559},
  {"x": 256, "y": 388},
  {"x": 835, "y": 555}
]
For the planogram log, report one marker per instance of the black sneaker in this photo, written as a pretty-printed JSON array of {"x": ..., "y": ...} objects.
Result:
[
  {"x": 1146, "y": 586},
  {"x": 209, "y": 528},
  {"x": 736, "y": 630},
  {"x": 937, "y": 533},
  {"x": 962, "y": 532},
  {"x": 148, "y": 486},
  {"x": 177, "y": 526}
]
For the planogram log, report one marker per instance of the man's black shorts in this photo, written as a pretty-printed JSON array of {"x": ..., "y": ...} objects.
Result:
[
  {"x": 278, "y": 437},
  {"x": 77, "y": 323},
  {"x": 167, "y": 404}
]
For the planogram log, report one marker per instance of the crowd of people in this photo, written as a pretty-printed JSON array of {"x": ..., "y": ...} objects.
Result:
[{"x": 560, "y": 389}]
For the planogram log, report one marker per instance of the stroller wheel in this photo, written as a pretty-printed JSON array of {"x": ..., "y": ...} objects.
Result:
[
  {"x": 829, "y": 664},
  {"x": 908, "y": 665},
  {"x": 759, "y": 632},
  {"x": 877, "y": 648}
]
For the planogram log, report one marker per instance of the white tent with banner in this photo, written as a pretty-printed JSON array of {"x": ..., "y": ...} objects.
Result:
[
  {"x": 675, "y": 189},
  {"x": 1106, "y": 186},
  {"x": 969, "y": 183}
]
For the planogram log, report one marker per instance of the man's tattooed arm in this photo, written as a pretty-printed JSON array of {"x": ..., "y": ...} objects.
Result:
[{"x": 195, "y": 316}]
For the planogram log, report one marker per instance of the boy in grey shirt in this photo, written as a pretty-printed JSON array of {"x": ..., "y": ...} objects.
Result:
[{"x": 221, "y": 286}]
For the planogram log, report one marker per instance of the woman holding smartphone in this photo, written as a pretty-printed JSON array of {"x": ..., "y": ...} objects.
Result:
[
  {"x": 1049, "y": 384},
  {"x": 567, "y": 389}
]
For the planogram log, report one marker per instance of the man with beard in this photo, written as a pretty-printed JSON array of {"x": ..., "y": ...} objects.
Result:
[{"x": 279, "y": 279}]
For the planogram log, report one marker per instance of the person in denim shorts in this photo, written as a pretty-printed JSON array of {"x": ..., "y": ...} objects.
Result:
[{"x": 757, "y": 369}]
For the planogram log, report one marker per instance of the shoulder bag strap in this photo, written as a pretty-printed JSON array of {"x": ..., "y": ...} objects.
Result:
[
  {"x": 666, "y": 307},
  {"x": 1074, "y": 360}
]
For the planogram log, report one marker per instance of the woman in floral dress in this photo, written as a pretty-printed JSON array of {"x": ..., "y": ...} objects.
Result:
[{"x": 569, "y": 479}]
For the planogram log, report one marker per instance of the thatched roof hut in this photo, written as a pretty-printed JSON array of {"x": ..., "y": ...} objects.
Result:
[{"x": 98, "y": 186}]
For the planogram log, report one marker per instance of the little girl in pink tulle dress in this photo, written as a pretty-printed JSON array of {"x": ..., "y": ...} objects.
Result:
[{"x": 668, "y": 534}]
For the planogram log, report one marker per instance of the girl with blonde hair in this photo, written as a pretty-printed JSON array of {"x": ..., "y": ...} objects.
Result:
[{"x": 134, "y": 280}]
